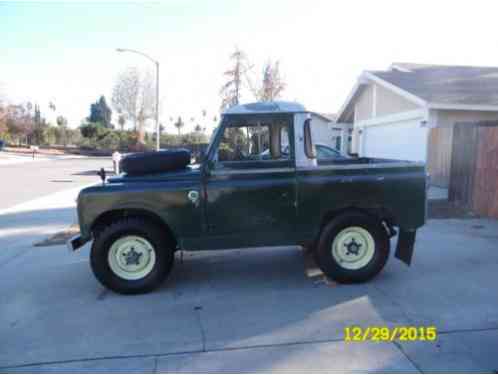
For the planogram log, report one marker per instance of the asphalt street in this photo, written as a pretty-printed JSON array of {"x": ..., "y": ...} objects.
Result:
[
  {"x": 27, "y": 179},
  {"x": 236, "y": 310}
]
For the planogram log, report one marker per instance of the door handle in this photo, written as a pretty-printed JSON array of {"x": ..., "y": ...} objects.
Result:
[
  {"x": 347, "y": 179},
  {"x": 193, "y": 196}
]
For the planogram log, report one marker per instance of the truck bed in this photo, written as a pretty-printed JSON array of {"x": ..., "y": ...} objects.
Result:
[{"x": 364, "y": 161}]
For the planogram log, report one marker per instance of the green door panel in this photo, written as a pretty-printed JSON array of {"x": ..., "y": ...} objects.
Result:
[{"x": 255, "y": 207}]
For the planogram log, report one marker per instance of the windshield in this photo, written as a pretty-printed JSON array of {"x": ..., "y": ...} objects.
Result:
[
  {"x": 251, "y": 138},
  {"x": 213, "y": 136}
]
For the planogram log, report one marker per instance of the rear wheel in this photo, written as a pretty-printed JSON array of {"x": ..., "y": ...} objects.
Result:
[
  {"x": 131, "y": 256},
  {"x": 352, "y": 248}
]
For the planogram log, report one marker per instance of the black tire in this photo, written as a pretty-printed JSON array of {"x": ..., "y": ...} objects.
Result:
[
  {"x": 332, "y": 268},
  {"x": 155, "y": 162},
  {"x": 161, "y": 243}
]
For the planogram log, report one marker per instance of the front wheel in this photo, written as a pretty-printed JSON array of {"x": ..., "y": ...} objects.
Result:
[
  {"x": 131, "y": 256},
  {"x": 352, "y": 248}
]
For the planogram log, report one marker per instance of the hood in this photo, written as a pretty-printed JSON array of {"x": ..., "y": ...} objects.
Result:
[{"x": 188, "y": 173}]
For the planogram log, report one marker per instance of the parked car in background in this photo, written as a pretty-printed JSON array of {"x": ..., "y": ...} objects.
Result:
[
  {"x": 323, "y": 153},
  {"x": 2, "y": 143}
]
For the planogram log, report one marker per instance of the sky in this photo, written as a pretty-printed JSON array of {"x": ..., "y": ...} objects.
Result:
[{"x": 66, "y": 52}]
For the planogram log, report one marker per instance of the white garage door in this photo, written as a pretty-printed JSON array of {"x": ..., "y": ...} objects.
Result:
[{"x": 403, "y": 140}]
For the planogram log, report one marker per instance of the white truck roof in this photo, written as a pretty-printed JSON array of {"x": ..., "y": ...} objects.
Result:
[{"x": 266, "y": 107}]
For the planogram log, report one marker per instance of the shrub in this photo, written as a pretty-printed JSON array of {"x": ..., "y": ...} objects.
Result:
[
  {"x": 93, "y": 130},
  {"x": 111, "y": 141}
]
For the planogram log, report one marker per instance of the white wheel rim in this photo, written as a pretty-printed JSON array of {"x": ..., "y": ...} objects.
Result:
[
  {"x": 131, "y": 257},
  {"x": 353, "y": 248}
]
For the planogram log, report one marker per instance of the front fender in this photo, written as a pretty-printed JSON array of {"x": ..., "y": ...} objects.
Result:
[{"x": 169, "y": 203}]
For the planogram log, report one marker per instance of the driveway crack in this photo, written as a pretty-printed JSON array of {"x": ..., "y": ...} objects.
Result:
[
  {"x": 156, "y": 360},
  {"x": 197, "y": 310},
  {"x": 413, "y": 363}
]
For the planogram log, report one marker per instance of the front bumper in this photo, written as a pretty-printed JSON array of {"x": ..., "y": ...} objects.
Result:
[{"x": 76, "y": 242}]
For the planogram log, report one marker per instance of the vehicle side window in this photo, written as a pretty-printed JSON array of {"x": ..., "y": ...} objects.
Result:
[
  {"x": 258, "y": 141},
  {"x": 309, "y": 148}
]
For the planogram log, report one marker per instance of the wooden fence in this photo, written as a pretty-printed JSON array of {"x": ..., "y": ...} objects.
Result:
[{"x": 474, "y": 168}]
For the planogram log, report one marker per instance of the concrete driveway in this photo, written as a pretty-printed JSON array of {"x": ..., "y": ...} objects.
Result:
[{"x": 252, "y": 310}]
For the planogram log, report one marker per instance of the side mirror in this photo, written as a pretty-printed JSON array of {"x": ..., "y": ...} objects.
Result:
[
  {"x": 207, "y": 166},
  {"x": 201, "y": 157}
]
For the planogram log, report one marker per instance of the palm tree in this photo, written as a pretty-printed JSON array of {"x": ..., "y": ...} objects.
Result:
[
  {"x": 179, "y": 124},
  {"x": 62, "y": 123}
]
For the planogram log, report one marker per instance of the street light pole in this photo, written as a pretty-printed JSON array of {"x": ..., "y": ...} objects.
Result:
[
  {"x": 158, "y": 131},
  {"x": 156, "y": 63}
]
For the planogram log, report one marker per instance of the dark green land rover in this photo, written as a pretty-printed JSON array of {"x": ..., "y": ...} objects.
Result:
[{"x": 258, "y": 184}]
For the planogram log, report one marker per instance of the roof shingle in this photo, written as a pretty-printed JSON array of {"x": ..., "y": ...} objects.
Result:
[{"x": 459, "y": 85}]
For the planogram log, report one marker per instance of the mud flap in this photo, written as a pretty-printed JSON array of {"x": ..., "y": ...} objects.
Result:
[
  {"x": 75, "y": 242},
  {"x": 406, "y": 243}
]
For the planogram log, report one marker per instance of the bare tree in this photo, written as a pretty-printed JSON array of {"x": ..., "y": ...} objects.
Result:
[
  {"x": 134, "y": 97},
  {"x": 2, "y": 95},
  {"x": 121, "y": 121},
  {"x": 147, "y": 100},
  {"x": 231, "y": 91},
  {"x": 272, "y": 84},
  {"x": 3, "y": 113},
  {"x": 19, "y": 122}
]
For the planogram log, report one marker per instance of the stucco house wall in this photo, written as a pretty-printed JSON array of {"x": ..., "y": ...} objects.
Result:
[
  {"x": 364, "y": 105},
  {"x": 445, "y": 118},
  {"x": 389, "y": 102},
  {"x": 377, "y": 101},
  {"x": 321, "y": 130}
]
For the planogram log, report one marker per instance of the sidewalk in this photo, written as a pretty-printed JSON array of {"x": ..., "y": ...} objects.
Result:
[
  {"x": 9, "y": 158},
  {"x": 26, "y": 223},
  {"x": 30, "y": 180}
]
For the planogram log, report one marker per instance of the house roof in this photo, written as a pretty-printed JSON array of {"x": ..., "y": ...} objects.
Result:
[
  {"x": 470, "y": 85},
  {"x": 332, "y": 117},
  {"x": 327, "y": 117},
  {"x": 435, "y": 86}
]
